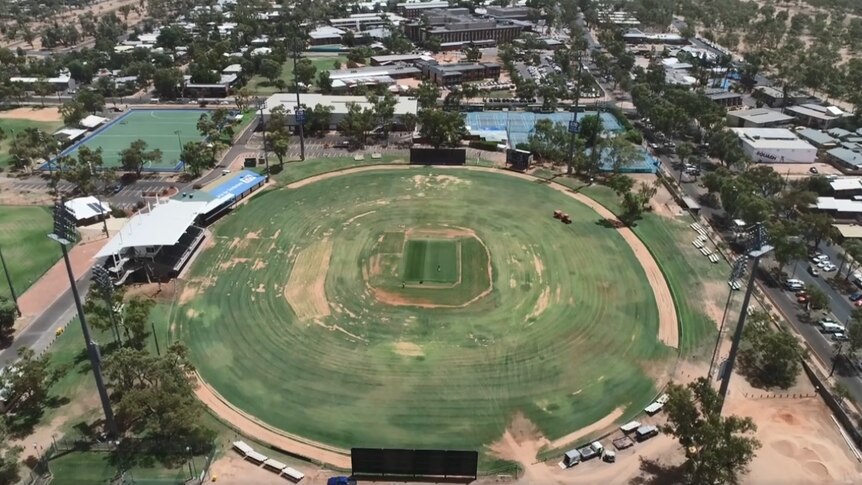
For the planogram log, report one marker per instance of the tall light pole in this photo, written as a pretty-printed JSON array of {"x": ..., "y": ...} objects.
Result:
[
  {"x": 105, "y": 286},
  {"x": 736, "y": 272},
  {"x": 574, "y": 125},
  {"x": 260, "y": 106},
  {"x": 296, "y": 44},
  {"x": 758, "y": 249},
  {"x": 9, "y": 281},
  {"x": 64, "y": 234},
  {"x": 180, "y": 141}
]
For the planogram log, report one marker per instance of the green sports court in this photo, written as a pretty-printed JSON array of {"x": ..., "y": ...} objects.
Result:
[{"x": 165, "y": 129}]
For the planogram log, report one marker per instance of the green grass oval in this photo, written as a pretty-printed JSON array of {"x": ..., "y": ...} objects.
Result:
[{"x": 567, "y": 334}]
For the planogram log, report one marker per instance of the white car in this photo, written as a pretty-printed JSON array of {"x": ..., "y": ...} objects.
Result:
[
  {"x": 822, "y": 263},
  {"x": 829, "y": 267}
]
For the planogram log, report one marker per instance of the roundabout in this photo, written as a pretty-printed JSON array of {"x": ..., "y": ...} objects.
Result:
[{"x": 420, "y": 307}]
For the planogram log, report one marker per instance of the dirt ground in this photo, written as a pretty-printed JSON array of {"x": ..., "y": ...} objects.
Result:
[
  {"x": 662, "y": 202},
  {"x": 47, "y": 114},
  {"x": 802, "y": 170}
]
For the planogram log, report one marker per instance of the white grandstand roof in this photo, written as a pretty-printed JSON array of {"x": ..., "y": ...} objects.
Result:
[
  {"x": 164, "y": 225},
  {"x": 846, "y": 183}
]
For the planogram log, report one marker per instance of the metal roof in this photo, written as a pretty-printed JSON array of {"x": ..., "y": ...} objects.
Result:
[
  {"x": 761, "y": 115},
  {"x": 164, "y": 225},
  {"x": 771, "y": 138},
  {"x": 816, "y": 137},
  {"x": 86, "y": 207},
  {"x": 846, "y": 183},
  {"x": 840, "y": 205}
]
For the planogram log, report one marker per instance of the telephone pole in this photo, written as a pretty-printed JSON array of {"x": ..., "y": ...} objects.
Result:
[{"x": 9, "y": 281}]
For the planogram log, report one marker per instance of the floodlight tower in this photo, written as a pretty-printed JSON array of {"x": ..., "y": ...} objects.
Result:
[
  {"x": 261, "y": 106},
  {"x": 758, "y": 248},
  {"x": 105, "y": 287},
  {"x": 737, "y": 271},
  {"x": 64, "y": 233},
  {"x": 574, "y": 125}
]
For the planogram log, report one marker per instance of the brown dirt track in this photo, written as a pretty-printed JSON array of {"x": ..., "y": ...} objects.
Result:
[{"x": 250, "y": 426}]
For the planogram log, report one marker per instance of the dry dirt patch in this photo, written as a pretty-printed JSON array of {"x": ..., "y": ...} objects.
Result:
[
  {"x": 51, "y": 114},
  {"x": 408, "y": 349},
  {"x": 305, "y": 290}
]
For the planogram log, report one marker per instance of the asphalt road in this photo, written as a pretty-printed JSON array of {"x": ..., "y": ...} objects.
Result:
[{"x": 820, "y": 345}]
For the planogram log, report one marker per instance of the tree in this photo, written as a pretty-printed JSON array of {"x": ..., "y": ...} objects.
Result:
[
  {"x": 9, "y": 457},
  {"x": 31, "y": 145},
  {"x": 136, "y": 318},
  {"x": 154, "y": 396},
  {"x": 196, "y": 156},
  {"x": 83, "y": 170},
  {"x": 472, "y": 53},
  {"x": 324, "y": 83},
  {"x": 8, "y": 314},
  {"x": 717, "y": 448},
  {"x": 357, "y": 122},
  {"x": 278, "y": 133},
  {"x": 819, "y": 227},
  {"x": 619, "y": 153},
  {"x": 318, "y": 119},
  {"x": 242, "y": 98},
  {"x": 270, "y": 69},
  {"x": 29, "y": 385},
  {"x": 787, "y": 246},
  {"x": 167, "y": 82},
  {"x": 769, "y": 358},
  {"x": 383, "y": 108},
  {"x": 92, "y": 101},
  {"x": 42, "y": 89},
  {"x": 854, "y": 333},
  {"x": 817, "y": 299},
  {"x": 305, "y": 71},
  {"x": 442, "y": 128},
  {"x": 72, "y": 112},
  {"x": 136, "y": 157},
  {"x": 427, "y": 95}
]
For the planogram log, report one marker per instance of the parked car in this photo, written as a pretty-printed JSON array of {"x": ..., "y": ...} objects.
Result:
[
  {"x": 813, "y": 271},
  {"x": 829, "y": 267},
  {"x": 802, "y": 297},
  {"x": 794, "y": 284},
  {"x": 856, "y": 296},
  {"x": 840, "y": 337},
  {"x": 813, "y": 170}
]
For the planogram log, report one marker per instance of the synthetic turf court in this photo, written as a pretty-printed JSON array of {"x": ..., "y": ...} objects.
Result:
[{"x": 165, "y": 129}]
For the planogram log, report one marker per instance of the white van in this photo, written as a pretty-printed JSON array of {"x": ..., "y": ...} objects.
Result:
[
  {"x": 794, "y": 284},
  {"x": 830, "y": 327}
]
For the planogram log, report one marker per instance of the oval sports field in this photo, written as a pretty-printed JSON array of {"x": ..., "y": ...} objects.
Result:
[{"x": 422, "y": 308}]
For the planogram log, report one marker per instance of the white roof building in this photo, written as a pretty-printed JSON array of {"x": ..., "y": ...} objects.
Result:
[
  {"x": 84, "y": 208},
  {"x": 164, "y": 225},
  {"x": 775, "y": 145},
  {"x": 92, "y": 121},
  {"x": 842, "y": 206},
  {"x": 70, "y": 134}
]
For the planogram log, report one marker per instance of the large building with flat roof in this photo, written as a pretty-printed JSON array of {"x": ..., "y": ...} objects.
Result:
[
  {"x": 455, "y": 74},
  {"x": 415, "y": 9},
  {"x": 457, "y": 26},
  {"x": 757, "y": 118},
  {"x": 339, "y": 104},
  {"x": 775, "y": 145}
]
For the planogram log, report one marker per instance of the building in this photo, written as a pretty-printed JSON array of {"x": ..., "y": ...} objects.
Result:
[
  {"x": 455, "y": 74},
  {"x": 840, "y": 209},
  {"x": 399, "y": 58},
  {"x": 774, "y": 97},
  {"x": 365, "y": 21},
  {"x": 817, "y": 138},
  {"x": 757, "y": 118},
  {"x": 87, "y": 210},
  {"x": 775, "y": 145},
  {"x": 68, "y": 135},
  {"x": 846, "y": 187},
  {"x": 157, "y": 244},
  {"x": 511, "y": 13},
  {"x": 635, "y": 36},
  {"x": 220, "y": 89},
  {"x": 723, "y": 97},
  {"x": 325, "y": 35},
  {"x": 62, "y": 82},
  {"x": 411, "y": 10},
  {"x": 455, "y": 27},
  {"x": 346, "y": 79},
  {"x": 846, "y": 159},
  {"x": 815, "y": 115},
  {"x": 338, "y": 104},
  {"x": 92, "y": 121}
]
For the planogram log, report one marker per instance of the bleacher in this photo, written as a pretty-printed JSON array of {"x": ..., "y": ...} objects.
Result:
[{"x": 176, "y": 256}]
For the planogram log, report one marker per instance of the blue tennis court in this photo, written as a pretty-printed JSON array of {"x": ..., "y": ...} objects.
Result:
[{"x": 516, "y": 126}]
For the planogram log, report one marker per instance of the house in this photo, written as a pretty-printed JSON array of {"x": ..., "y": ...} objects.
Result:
[
  {"x": 817, "y": 138},
  {"x": 757, "y": 118},
  {"x": 815, "y": 115},
  {"x": 846, "y": 159},
  {"x": 774, "y": 97},
  {"x": 723, "y": 97}
]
